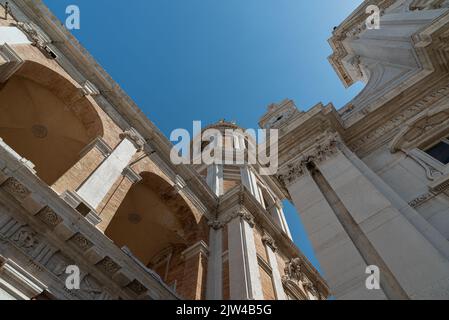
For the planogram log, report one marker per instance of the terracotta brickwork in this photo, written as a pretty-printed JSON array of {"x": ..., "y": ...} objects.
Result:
[{"x": 260, "y": 247}]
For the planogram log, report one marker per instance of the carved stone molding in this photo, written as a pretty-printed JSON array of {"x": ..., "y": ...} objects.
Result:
[
  {"x": 101, "y": 146},
  {"x": 108, "y": 266},
  {"x": 134, "y": 137},
  {"x": 216, "y": 224},
  {"x": 10, "y": 62},
  {"x": 81, "y": 242},
  {"x": 269, "y": 241},
  {"x": 38, "y": 38},
  {"x": 422, "y": 127},
  {"x": 129, "y": 173},
  {"x": 89, "y": 89},
  {"x": 437, "y": 187},
  {"x": 136, "y": 287},
  {"x": 16, "y": 189},
  {"x": 293, "y": 270},
  {"x": 245, "y": 215},
  {"x": 324, "y": 149},
  {"x": 426, "y": 4}
]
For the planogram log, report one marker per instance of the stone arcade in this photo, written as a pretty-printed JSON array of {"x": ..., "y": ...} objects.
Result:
[{"x": 370, "y": 181}]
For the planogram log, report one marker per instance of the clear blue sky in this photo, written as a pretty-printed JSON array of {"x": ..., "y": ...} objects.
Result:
[{"x": 185, "y": 60}]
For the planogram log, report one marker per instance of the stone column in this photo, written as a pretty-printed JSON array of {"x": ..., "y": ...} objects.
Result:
[
  {"x": 270, "y": 247},
  {"x": 214, "y": 290},
  {"x": 244, "y": 274},
  {"x": 95, "y": 188},
  {"x": 215, "y": 178}
]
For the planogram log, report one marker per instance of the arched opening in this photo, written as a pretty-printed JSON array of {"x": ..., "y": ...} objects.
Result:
[
  {"x": 48, "y": 122},
  {"x": 157, "y": 226}
]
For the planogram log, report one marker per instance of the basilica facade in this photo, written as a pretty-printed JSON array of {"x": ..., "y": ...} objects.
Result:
[{"x": 87, "y": 183}]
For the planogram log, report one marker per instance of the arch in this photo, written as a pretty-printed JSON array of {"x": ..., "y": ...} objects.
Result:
[
  {"x": 46, "y": 119},
  {"x": 152, "y": 218}
]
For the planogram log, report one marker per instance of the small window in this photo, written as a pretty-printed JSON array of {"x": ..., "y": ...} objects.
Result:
[{"x": 440, "y": 151}]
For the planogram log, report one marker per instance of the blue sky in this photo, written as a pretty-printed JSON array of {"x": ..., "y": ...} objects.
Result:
[{"x": 185, "y": 60}]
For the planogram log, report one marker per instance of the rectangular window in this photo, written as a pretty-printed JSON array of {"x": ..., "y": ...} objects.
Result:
[{"x": 440, "y": 151}]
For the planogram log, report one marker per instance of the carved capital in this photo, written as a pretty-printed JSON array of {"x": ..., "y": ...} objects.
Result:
[
  {"x": 135, "y": 137},
  {"x": 245, "y": 215},
  {"x": 216, "y": 224},
  {"x": 10, "y": 62}
]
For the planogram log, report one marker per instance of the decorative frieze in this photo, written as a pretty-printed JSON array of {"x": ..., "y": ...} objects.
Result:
[
  {"x": 393, "y": 125},
  {"x": 10, "y": 64},
  {"x": 216, "y": 224},
  {"x": 293, "y": 270},
  {"x": 137, "y": 287},
  {"x": 37, "y": 38},
  {"x": 81, "y": 242},
  {"x": 129, "y": 173}
]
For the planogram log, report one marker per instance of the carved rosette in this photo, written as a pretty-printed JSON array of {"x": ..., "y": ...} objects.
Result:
[
  {"x": 324, "y": 149},
  {"x": 81, "y": 242}
]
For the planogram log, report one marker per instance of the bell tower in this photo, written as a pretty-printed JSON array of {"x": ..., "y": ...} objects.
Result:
[{"x": 250, "y": 244}]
